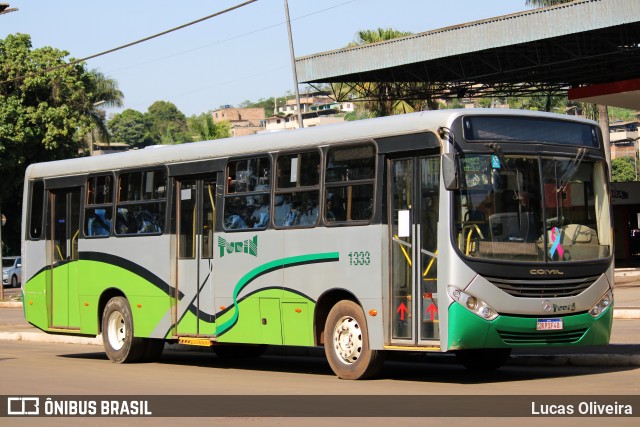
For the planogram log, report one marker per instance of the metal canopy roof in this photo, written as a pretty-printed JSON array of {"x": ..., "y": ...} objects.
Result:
[{"x": 547, "y": 50}]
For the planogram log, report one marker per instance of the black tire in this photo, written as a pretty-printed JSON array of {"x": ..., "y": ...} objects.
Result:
[
  {"x": 484, "y": 359},
  {"x": 239, "y": 351},
  {"x": 117, "y": 333},
  {"x": 347, "y": 343},
  {"x": 14, "y": 282}
]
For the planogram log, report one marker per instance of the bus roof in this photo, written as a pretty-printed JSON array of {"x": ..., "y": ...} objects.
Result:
[{"x": 269, "y": 142}]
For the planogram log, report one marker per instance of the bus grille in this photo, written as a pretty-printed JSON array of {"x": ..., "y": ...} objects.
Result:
[
  {"x": 546, "y": 337},
  {"x": 543, "y": 288}
]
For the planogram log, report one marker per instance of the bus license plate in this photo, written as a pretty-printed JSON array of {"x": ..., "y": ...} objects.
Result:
[{"x": 549, "y": 325}]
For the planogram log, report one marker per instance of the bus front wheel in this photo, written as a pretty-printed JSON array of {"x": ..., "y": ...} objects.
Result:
[
  {"x": 347, "y": 343},
  {"x": 117, "y": 333}
]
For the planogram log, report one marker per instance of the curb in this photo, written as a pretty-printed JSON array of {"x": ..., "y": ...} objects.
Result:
[
  {"x": 50, "y": 338},
  {"x": 626, "y": 313},
  {"x": 69, "y": 339},
  {"x": 10, "y": 304},
  {"x": 626, "y": 272}
]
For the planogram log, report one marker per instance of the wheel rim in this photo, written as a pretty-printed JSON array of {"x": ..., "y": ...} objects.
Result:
[
  {"x": 14, "y": 282},
  {"x": 116, "y": 330},
  {"x": 347, "y": 340}
]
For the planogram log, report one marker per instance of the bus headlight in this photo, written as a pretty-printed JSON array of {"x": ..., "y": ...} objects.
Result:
[
  {"x": 602, "y": 305},
  {"x": 471, "y": 303}
]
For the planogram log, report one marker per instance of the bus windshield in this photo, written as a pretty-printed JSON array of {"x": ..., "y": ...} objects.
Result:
[{"x": 539, "y": 209}]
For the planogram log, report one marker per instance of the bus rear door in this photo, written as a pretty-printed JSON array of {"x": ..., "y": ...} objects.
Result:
[
  {"x": 195, "y": 220},
  {"x": 62, "y": 252}
]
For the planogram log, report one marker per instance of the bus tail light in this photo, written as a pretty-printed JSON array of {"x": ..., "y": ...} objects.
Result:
[
  {"x": 602, "y": 305},
  {"x": 471, "y": 303}
]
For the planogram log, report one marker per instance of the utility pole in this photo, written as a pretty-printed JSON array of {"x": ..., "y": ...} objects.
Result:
[
  {"x": 293, "y": 63},
  {"x": 603, "y": 120}
]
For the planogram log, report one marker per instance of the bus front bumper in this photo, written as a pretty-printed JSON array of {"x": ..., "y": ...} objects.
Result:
[{"x": 468, "y": 331}]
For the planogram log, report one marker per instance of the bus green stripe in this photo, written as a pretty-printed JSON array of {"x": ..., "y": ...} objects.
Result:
[{"x": 267, "y": 268}]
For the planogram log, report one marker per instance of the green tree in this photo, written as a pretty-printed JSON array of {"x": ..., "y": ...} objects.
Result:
[
  {"x": 623, "y": 169},
  {"x": 385, "y": 98},
  {"x": 106, "y": 94},
  {"x": 555, "y": 104},
  {"x": 484, "y": 102},
  {"x": 130, "y": 127},
  {"x": 356, "y": 115},
  {"x": 223, "y": 130},
  {"x": 544, "y": 3},
  {"x": 44, "y": 111},
  {"x": 167, "y": 124},
  {"x": 378, "y": 35},
  {"x": 618, "y": 113},
  {"x": 269, "y": 105},
  {"x": 203, "y": 128}
]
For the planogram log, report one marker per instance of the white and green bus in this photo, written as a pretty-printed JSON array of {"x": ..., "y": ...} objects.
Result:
[{"x": 465, "y": 231}]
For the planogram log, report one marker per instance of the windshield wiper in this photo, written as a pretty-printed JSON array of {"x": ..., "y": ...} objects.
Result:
[
  {"x": 497, "y": 150},
  {"x": 565, "y": 179}
]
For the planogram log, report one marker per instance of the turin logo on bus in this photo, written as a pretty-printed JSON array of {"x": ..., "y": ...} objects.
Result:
[{"x": 249, "y": 246}]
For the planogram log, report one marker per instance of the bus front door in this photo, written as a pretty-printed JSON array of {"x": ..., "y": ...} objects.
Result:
[
  {"x": 62, "y": 253},
  {"x": 413, "y": 216},
  {"x": 194, "y": 224}
]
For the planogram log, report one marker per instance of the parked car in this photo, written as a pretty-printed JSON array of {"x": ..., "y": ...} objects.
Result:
[{"x": 12, "y": 271}]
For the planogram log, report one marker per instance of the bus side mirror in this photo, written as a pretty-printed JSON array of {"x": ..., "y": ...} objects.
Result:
[{"x": 450, "y": 171}]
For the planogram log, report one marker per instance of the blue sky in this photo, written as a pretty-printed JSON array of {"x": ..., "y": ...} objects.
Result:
[{"x": 241, "y": 55}]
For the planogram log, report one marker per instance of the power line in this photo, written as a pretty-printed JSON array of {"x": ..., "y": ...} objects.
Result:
[
  {"x": 269, "y": 27},
  {"x": 197, "y": 21},
  {"x": 301, "y": 17}
]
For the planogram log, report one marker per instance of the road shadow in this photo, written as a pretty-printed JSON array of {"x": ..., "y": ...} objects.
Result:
[
  {"x": 445, "y": 369},
  {"x": 414, "y": 367},
  {"x": 99, "y": 355}
]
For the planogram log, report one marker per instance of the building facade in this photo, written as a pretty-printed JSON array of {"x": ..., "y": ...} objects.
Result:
[{"x": 244, "y": 121}]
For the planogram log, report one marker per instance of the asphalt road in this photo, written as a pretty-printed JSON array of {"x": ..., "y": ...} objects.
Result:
[{"x": 30, "y": 368}]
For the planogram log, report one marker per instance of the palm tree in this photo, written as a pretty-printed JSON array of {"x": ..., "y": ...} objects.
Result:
[
  {"x": 104, "y": 93},
  {"x": 384, "y": 98},
  {"x": 544, "y": 3},
  {"x": 374, "y": 36}
]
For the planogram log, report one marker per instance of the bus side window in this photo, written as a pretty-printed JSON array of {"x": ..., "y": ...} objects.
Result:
[
  {"x": 141, "y": 203},
  {"x": 36, "y": 210},
  {"x": 98, "y": 213},
  {"x": 297, "y": 200},
  {"x": 247, "y": 200},
  {"x": 98, "y": 222},
  {"x": 349, "y": 184}
]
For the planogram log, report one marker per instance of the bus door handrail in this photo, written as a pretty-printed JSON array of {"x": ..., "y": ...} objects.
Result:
[
  {"x": 402, "y": 245},
  {"x": 433, "y": 256},
  {"x": 472, "y": 228}
]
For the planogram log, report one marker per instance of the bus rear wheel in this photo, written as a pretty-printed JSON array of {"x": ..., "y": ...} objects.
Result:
[
  {"x": 347, "y": 343},
  {"x": 483, "y": 359},
  {"x": 117, "y": 333}
]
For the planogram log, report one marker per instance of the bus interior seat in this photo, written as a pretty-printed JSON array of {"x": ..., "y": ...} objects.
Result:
[{"x": 98, "y": 224}]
